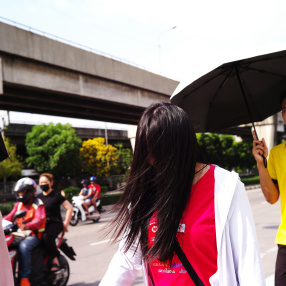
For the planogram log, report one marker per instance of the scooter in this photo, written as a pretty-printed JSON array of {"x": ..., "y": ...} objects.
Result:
[
  {"x": 80, "y": 214},
  {"x": 41, "y": 274}
]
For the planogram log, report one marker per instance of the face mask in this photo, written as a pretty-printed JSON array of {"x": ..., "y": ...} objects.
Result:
[
  {"x": 22, "y": 198},
  {"x": 25, "y": 198},
  {"x": 45, "y": 187}
]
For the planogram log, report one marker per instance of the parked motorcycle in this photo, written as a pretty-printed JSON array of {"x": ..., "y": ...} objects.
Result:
[
  {"x": 80, "y": 214},
  {"x": 41, "y": 275}
]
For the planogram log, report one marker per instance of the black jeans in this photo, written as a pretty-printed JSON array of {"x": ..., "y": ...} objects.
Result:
[
  {"x": 280, "y": 269},
  {"x": 52, "y": 230}
]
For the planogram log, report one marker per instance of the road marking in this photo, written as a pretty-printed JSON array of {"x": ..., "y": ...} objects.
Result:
[
  {"x": 100, "y": 242},
  {"x": 272, "y": 249}
]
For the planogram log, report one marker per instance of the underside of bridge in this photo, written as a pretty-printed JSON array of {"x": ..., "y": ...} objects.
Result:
[{"x": 33, "y": 100}]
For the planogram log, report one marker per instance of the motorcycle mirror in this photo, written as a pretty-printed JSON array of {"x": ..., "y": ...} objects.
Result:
[{"x": 19, "y": 214}]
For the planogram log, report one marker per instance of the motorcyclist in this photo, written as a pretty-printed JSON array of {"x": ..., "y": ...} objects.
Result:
[
  {"x": 86, "y": 192},
  {"x": 34, "y": 220},
  {"x": 95, "y": 192}
]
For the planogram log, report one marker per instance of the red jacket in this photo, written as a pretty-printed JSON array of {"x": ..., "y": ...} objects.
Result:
[{"x": 35, "y": 217}]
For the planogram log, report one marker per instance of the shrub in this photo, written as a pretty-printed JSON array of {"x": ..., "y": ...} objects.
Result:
[
  {"x": 6, "y": 208},
  {"x": 104, "y": 189},
  {"x": 251, "y": 181},
  {"x": 70, "y": 192},
  {"x": 110, "y": 199}
]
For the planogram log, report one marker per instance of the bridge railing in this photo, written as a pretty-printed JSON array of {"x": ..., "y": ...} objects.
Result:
[{"x": 72, "y": 43}]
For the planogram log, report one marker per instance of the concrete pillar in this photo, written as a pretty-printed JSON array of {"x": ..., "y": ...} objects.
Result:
[
  {"x": 132, "y": 129},
  {"x": 267, "y": 129},
  {"x": 1, "y": 77}
]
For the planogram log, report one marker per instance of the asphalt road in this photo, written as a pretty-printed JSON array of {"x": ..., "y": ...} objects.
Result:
[{"x": 94, "y": 251}]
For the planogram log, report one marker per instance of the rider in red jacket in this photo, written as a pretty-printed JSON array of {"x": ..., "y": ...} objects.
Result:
[
  {"x": 33, "y": 220},
  {"x": 95, "y": 192}
]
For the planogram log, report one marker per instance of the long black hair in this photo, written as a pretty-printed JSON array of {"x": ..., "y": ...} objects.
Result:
[{"x": 161, "y": 175}]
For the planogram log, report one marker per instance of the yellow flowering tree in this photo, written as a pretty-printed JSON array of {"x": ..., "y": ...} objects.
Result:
[
  {"x": 12, "y": 166},
  {"x": 97, "y": 158}
]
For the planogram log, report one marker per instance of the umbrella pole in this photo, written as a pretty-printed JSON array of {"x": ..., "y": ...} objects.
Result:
[
  {"x": 248, "y": 109},
  {"x": 245, "y": 99}
]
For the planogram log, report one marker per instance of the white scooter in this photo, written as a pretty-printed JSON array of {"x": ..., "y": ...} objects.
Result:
[{"x": 79, "y": 213}]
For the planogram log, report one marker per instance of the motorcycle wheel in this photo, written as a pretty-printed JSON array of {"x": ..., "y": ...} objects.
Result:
[
  {"x": 75, "y": 217},
  {"x": 66, "y": 274}
]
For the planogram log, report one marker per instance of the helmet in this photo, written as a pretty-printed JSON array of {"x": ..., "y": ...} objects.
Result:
[
  {"x": 84, "y": 182},
  {"x": 92, "y": 178},
  {"x": 26, "y": 185}
]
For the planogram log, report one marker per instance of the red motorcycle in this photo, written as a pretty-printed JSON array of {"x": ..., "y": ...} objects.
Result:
[{"x": 41, "y": 275}]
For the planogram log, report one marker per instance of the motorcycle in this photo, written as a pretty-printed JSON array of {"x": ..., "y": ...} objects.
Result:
[
  {"x": 41, "y": 275},
  {"x": 80, "y": 214}
]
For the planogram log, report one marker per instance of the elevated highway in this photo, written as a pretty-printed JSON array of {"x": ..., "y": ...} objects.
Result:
[{"x": 41, "y": 75}]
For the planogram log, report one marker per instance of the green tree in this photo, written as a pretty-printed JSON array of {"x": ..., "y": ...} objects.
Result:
[
  {"x": 97, "y": 158},
  {"x": 53, "y": 148},
  {"x": 11, "y": 167},
  {"x": 212, "y": 147},
  {"x": 125, "y": 157},
  {"x": 243, "y": 155},
  {"x": 225, "y": 152}
]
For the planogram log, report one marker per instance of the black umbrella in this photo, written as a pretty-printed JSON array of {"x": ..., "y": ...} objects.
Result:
[
  {"x": 235, "y": 93},
  {"x": 3, "y": 151}
]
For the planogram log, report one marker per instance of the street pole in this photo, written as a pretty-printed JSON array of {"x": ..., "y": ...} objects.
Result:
[{"x": 106, "y": 136}]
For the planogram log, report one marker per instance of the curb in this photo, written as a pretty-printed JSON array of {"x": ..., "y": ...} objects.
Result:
[{"x": 251, "y": 187}]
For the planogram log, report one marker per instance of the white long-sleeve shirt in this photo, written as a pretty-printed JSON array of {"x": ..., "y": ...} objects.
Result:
[
  {"x": 238, "y": 259},
  {"x": 6, "y": 275}
]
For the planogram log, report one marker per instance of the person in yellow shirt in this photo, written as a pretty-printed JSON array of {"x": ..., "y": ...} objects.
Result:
[{"x": 273, "y": 185}]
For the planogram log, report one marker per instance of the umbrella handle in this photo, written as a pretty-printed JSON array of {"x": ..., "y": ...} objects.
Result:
[{"x": 264, "y": 159}]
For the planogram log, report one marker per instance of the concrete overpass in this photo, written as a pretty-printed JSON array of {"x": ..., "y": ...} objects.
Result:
[{"x": 41, "y": 75}]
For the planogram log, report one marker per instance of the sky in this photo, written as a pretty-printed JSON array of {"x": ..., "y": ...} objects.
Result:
[{"x": 208, "y": 33}]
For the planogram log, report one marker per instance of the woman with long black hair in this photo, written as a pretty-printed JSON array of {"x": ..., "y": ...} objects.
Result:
[{"x": 174, "y": 196}]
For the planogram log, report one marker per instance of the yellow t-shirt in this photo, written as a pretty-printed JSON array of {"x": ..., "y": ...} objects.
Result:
[{"x": 277, "y": 170}]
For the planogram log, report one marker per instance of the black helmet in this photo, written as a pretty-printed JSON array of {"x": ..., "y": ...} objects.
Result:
[
  {"x": 26, "y": 185},
  {"x": 84, "y": 182}
]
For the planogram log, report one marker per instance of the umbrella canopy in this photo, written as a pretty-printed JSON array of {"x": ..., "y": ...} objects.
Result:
[
  {"x": 3, "y": 151},
  {"x": 235, "y": 93}
]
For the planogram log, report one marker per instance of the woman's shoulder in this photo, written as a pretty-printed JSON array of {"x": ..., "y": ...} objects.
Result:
[
  {"x": 226, "y": 179},
  {"x": 221, "y": 172},
  {"x": 59, "y": 196},
  {"x": 40, "y": 196}
]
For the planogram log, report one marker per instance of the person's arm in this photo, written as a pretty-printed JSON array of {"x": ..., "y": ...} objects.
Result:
[
  {"x": 124, "y": 267},
  {"x": 269, "y": 188},
  {"x": 89, "y": 194},
  {"x": 96, "y": 194},
  {"x": 10, "y": 215},
  {"x": 37, "y": 222},
  {"x": 80, "y": 193},
  {"x": 69, "y": 211},
  {"x": 244, "y": 243}
]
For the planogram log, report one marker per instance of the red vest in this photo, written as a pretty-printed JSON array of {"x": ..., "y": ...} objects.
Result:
[{"x": 30, "y": 216}]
